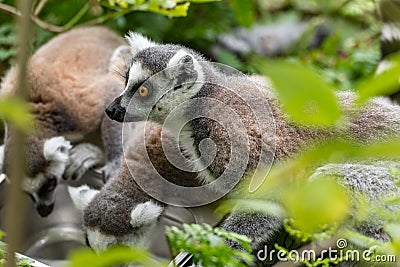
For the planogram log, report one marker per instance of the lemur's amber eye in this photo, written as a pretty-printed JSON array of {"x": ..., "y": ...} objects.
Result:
[
  {"x": 125, "y": 82},
  {"x": 143, "y": 91}
]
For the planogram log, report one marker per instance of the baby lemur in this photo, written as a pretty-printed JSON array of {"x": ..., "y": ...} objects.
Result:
[
  {"x": 159, "y": 82},
  {"x": 69, "y": 85}
]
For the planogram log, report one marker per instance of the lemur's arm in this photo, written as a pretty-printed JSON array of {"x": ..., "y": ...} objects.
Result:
[
  {"x": 112, "y": 140},
  {"x": 112, "y": 130},
  {"x": 87, "y": 156}
]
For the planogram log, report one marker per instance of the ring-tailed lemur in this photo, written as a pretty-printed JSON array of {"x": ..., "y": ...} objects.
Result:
[
  {"x": 121, "y": 212},
  {"x": 192, "y": 77},
  {"x": 70, "y": 83}
]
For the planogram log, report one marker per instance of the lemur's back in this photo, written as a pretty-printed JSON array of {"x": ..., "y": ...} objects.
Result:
[{"x": 69, "y": 77}]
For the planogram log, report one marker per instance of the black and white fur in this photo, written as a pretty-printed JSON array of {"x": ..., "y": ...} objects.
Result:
[
  {"x": 70, "y": 81},
  {"x": 192, "y": 77}
]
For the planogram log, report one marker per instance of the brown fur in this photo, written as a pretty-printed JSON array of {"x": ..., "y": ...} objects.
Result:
[
  {"x": 69, "y": 81},
  {"x": 379, "y": 119},
  {"x": 123, "y": 191},
  {"x": 69, "y": 85}
]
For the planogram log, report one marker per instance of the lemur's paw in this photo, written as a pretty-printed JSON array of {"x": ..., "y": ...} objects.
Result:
[
  {"x": 82, "y": 158},
  {"x": 110, "y": 169}
]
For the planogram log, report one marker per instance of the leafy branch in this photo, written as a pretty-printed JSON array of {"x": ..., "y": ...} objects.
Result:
[{"x": 118, "y": 8}]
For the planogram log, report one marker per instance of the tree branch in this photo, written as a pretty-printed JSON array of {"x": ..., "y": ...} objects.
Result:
[
  {"x": 42, "y": 24},
  {"x": 39, "y": 7},
  {"x": 15, "y": 210}
]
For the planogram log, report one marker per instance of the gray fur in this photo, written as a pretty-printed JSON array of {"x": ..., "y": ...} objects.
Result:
[
  {"x": 372, "y": 181},
  {"x": 82, "y": 157},
  {"x": 378, "y": 120},
  {"x": 70, "y": 82},
  {"x": 109, "y": 213}
]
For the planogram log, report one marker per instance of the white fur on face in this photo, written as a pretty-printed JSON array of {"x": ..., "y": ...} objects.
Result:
[
  {"x": 56, "y": 149},
  {"x": 32, "y": 185},
  {"x": 138, "y": 42},
  {"x": 100, "y": 242},
  {"x": 145, "y": 213},
  {"x": 56, "y": 152},
  {"x": 81, "y": 196},
  {"x": 136, "y": 73}
]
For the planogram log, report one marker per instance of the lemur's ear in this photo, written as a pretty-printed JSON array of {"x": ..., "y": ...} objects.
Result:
[
  {"x": 145, "y": 213},
  {"x": 182, "y": 62},
  {"x": 182, "y": 58},
  {"x": 120, "y": 59},
  {"x": 138, "y": 42},
  {"x": 56, "y": 149},
  {"x": 81, "y": 196}
]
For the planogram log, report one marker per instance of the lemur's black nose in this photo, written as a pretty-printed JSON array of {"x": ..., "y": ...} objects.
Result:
[
  {"x": 45, "y": 210},
  {"x": 115, "y": 112}
]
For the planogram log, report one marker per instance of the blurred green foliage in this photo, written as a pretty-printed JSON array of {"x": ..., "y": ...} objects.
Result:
[
  {"x": 118, "y": 255},
  {"x": 15, "y": 111},
  {"x": 208, "y": 247},
  {"x": 312, "y": 102},
  {"x": 347, "y": 59},
  {"x": 20, "y": 261}
]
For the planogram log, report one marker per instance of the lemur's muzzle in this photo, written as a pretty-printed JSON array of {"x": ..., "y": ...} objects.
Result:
[
  {"x": 115, "y": 112},
  {"x": 45, "y": 210}
]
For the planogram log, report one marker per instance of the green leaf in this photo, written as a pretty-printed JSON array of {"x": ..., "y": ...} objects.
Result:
[
  {"x": 385, "y": 83},
  {"x": 305, "y": 96},
  {"x": 317, "y": 203},
  {"x": 394, "y": 231},
  {"x": 201, "y": 1},
  {"x": 244, "y": 11},
  {"x": 177, "y": 11},
  {"x": 112, "y": 256},
  {"x": 208, "y": 246},
  {"x": 17, "y": 113}
]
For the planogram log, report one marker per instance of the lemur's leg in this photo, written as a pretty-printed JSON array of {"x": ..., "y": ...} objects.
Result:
[
  {"x": 111, "y": 132},
  {"x": 82, "y": 157},
  {"x": 259, "y": 227}
]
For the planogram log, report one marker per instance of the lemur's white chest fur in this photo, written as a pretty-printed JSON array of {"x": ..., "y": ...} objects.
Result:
[{"x": 187, "y": 142}]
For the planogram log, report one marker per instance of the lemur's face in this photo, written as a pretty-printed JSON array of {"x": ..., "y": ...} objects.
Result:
[
  {"x": 127, "y": 223},
  {"x": 159, "y": 78},
  {"x": 45, "y": 163}
]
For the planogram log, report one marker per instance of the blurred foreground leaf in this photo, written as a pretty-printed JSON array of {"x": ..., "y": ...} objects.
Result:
[
  {"x": 315, "y": 204},
  {"x": 208, "y": 245},
  {"x": 171, "y": 8},
  {"x": 386, "y": 83},
  {"x": 305, "y": 96},
  {"x": 113, "y": 256},
  {"x": 16, "y": 112},
  {"x": 244, "y": 11}
]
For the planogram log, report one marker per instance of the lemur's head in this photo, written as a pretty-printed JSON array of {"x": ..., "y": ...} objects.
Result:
[
  {"x": 176, "y": 76},
  {"x": 46, "y": 160},
  {"x": 113, "y": 217}
]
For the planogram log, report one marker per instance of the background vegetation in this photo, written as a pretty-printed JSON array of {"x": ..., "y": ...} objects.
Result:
[{"x": 345, "y": 60}]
